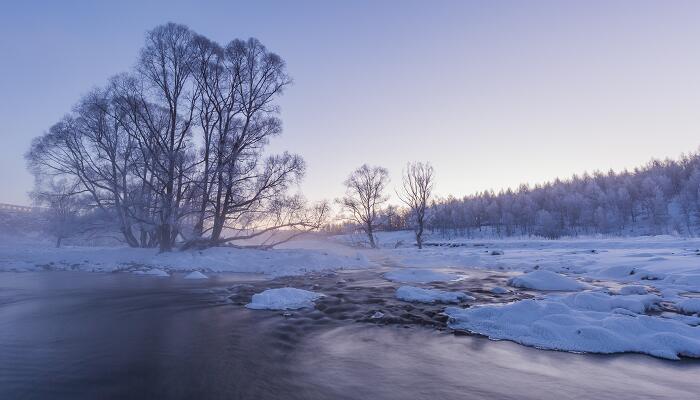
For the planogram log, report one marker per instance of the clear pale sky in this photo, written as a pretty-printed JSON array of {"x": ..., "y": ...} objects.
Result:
[{"x": 493, "y": 93}]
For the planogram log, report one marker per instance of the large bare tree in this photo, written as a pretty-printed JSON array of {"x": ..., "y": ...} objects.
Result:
[
  {"x": 416, "y": 191},
  {"x": 364, "y": 195},
  {"x": 175, "y": 148}
]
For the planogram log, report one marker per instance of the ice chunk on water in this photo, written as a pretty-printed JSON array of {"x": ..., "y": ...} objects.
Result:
[
  {"x": 410, "y": 293},
  {"x": 196, "y": 275},
  {"x": 546, "y": 280},
  {"x": 283, "y": 299}
]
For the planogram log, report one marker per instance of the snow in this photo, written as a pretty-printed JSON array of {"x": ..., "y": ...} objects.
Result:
[
  {"x": 577, "y": 324},
  {"x": 616, "y": 284},
  {"x": 420, "y": 276},
  {"x": 196, "y": 275},
  {"x": 283, "y": 299},
  {"x": 633, "y": 289},
  {"x": 545, "y": 280},
  {"x": 277, "y": 262},
  {"x": 412, "y": 293},
  {"x": 689, "y": 306}
]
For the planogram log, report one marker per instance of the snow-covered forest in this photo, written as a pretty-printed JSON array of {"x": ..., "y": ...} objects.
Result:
[{"x": 661, "y": 197}]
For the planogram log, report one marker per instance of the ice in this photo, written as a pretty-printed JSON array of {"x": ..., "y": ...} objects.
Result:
[
  {"x": 499, "y": 290},
  {"x": 283, "y": 299},
  {"x": 558, "y": 323},
  {"x": 546, "y": 280},
  {"x": 420, "y": 276},
  {"x": 196, "y": 275},
  {"x": 411, "y": 293}
]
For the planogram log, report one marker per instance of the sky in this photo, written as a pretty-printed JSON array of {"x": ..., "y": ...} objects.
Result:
[{"x": 492, "y": 93}]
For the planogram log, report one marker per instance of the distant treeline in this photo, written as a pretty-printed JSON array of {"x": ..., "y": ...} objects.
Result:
[{"x": 661, "y": 197}]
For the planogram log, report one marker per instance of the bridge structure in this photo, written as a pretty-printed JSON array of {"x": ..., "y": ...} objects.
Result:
[{"x": 18, "y": 209}]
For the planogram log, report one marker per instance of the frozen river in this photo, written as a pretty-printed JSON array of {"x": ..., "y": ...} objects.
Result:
[{"x": 74, "y": 335}]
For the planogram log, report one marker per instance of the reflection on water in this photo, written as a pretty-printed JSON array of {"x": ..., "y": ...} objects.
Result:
[{"x": 70, "y": 335}]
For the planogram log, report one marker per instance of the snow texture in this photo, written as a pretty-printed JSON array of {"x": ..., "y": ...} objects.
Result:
[
  {"x": 582, "y": 324},
  {"x": 546, "y": 280},
  {"x": 283, "y": 299},
  {"x": 196, "y": 275},
  {"x": 415, "y": 294}
]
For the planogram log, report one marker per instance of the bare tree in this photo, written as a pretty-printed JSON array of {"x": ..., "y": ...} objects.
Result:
[
  {"x": 364, "y": 196},
  {"x": 417, "y": 189},
  {"x": 176, "y": 148},
  {"x": 61, "y": 199}
]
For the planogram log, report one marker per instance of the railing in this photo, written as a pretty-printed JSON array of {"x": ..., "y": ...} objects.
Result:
[{"x": 18, "y": 209}]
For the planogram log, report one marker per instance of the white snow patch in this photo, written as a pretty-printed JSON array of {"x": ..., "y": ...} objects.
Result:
[
  {"x": 411, "y": 293},
  {"x": 283, "y": 299},
  {"x": 633, "y": 289},
  {"x": 562, "y": 323},
  {"x": 421, "y": 276},
  {"x": 196, "y": 275},
  {"x": 546, "y": 280},
  {"x": 689, "y": 306}
]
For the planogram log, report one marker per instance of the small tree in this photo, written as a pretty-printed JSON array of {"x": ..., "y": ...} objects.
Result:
[
  {"x": 62, "y": 201},
  {"x": 417, "y": 189},
  {"x": 364, "y": 195}
]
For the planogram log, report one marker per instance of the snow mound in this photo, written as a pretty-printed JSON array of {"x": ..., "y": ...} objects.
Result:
[
  {"x": 420, "y": 276},
  {"x": 411, "y": 293},
  {"x": 689, "y": 306},
  {"x": 546, "y": 280},
  {"x": 283, "y": 299},
  {"x": 559, "y": 324},
  {"x": 196, "y": 275},
  {"x": 499, "y": 290},
  {"x": 633, "y": 289}
]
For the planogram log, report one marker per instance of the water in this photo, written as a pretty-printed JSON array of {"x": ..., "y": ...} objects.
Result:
[{"x": 67, "y": 335}]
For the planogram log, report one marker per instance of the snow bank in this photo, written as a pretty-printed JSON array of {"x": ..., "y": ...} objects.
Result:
[
  {"x": 283, "y": 299},
  {"x": 276, "y": 262},
  {"x": 196, "y": 275},
  {"x": 411, "y": 293},
  {"x": 420, "y": 276},
  {"x": 546, "y": 280},
  {"x": 582, "y": 324},
  {"x": 689, "y": 306}
]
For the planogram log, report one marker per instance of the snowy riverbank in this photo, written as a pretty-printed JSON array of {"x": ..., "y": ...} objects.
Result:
[
  {"x": 298, "y": 258},
  {"x": 592, "y": 295}
]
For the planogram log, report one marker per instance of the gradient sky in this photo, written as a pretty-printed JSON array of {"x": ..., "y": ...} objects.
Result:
[{"x": 493, "y": 93}]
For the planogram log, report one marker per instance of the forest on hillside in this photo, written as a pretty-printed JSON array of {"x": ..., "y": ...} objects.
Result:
[{"x": 662, "y": 197}]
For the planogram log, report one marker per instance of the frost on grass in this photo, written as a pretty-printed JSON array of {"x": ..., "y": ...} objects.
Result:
[
  {"x": 583, "y": 322},
  {"x": 283, "y": 299},
  {"x": 546, "y": 280},
  {"x": 411, "y": 293},
  {"x": 420, "y": 276},
  {"x": 196, "y": 275}
]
